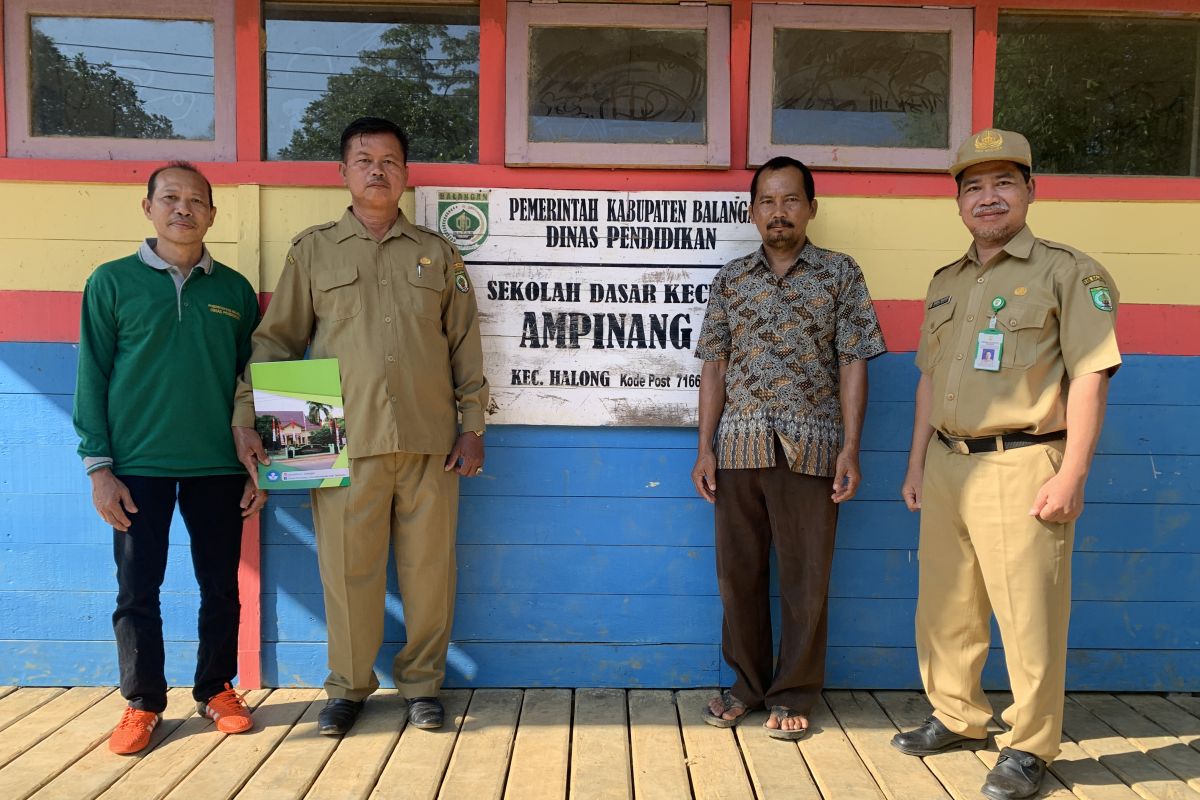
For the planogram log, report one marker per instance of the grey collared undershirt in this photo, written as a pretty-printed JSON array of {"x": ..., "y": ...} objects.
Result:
[{"x": 152, "y": 259}]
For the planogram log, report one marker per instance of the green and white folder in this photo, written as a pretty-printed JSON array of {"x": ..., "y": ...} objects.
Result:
[{"x": 299, "y": 414}]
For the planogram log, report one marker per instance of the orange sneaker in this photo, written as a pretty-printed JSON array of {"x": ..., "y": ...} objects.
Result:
[
  {"x": 228, "y": 710},
  {"x": 132, "y": 733}
]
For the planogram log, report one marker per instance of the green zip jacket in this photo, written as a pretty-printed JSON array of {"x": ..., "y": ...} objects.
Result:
[{"x": 158, "y": 366}]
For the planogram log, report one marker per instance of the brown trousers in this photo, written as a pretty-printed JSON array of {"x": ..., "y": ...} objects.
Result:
[
  {"x": 756, "y": 508},
  {"x": 409, "y": 501}
]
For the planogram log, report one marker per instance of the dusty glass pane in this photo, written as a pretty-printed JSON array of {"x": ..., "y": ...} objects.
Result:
[
  {"x": 617, "y": 85},
  {"x": 418, "y": 67},
  {"x": 126, "y": 78},
  {"x": 861, "y": 88},
  {"x": 1097, "y": 95}
]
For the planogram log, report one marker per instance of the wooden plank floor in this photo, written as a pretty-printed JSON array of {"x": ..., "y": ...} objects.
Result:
[{"x": 559, "y": 744}]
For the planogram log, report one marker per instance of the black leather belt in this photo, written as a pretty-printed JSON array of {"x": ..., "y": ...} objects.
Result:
[{"x": 990, "y": 444}]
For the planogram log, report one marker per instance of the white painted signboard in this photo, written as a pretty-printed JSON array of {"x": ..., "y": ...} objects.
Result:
[{"x": 590, "y": 303}]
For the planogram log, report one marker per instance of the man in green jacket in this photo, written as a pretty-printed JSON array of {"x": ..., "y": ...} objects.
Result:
[{"x": 163, "y": 336}]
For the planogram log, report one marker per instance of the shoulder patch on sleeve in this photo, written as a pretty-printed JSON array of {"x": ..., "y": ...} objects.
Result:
[
  {"x": 1101, "y": 298},
  {"x": 1092, "y": 279},
  {"x": 311, "y": 230},
  {"x": 461, "y": 281}
]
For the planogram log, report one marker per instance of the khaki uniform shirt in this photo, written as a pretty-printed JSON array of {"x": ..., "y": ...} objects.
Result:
[
  {"x": 1058, "y": 323},
  {"x": 400, "y": 317},
  {"x": 785, "y": 339}
]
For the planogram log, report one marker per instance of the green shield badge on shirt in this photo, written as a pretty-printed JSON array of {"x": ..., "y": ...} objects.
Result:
[{"x": 1101, "y": 299}]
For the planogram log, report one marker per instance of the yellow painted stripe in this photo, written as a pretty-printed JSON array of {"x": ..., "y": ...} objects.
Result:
[
  {"x": 94, "y": 212},
  {"x": 64, "y": 266},
  {"x": 852, "y": 223},
  {"x": 287, "y": 210},
  {"x": 53, "y": 235}
]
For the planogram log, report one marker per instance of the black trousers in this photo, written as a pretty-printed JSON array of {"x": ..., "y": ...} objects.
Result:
[
  {"x": 755, "y": 510},
  {"x": 210, "y": 509}
]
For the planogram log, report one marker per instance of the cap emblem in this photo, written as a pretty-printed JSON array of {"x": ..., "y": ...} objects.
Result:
[{"x": 988, "y": 140}]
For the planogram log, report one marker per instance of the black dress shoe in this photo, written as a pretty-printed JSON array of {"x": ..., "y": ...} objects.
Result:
[
  {"x": 934, "y": 737},
  {"x": 425, "y": 712},
  {"x": 338, "y": 716},
  {"x": 1017, "y": 774}
]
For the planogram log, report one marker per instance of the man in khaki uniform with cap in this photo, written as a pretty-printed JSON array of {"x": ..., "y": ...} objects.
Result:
[
  {"x": 1017, "y": 347},
  {"x": 393, "y": 303}
]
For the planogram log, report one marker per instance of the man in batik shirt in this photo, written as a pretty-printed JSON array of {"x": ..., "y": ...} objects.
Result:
[{"x": 783, "y": 393}]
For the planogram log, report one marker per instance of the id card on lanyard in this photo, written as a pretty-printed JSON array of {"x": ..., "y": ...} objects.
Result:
[{"x": 990, "y": 344}]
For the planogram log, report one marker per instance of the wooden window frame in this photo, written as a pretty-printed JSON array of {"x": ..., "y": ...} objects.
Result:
[
  {"x": 519, "y": 151},
  {"x": 250, "y": 168},
  {"x": 769, "y": 18},
  {"x": 23, "y": 144}
]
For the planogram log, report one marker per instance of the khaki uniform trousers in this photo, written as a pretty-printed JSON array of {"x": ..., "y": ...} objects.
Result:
[
  {"x": 982, "y": 553},
  {"x": 411, "y": 502}
]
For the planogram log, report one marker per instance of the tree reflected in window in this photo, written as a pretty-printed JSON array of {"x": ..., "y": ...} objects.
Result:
[
  {"x": 416, "y": 67},
  {"x": 1101, "y": 95},
  {"x": 91, "y": 77}
]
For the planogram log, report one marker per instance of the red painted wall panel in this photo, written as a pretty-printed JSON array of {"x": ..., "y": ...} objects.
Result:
[{"x": 1168, "y": 330}]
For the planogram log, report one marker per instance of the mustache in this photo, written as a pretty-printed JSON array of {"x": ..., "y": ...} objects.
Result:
[
  {"x": 999, "y": 205},
  {"x": 780, "y": 222}
]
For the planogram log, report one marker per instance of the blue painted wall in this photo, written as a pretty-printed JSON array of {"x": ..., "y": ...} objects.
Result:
[{"x": 585, "y": 558}]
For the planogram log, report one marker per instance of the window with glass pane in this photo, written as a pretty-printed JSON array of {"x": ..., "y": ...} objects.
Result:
[
  {"x": 1101, "y": 95},
  {"x": 856, "y": 87},
  {"x": 620, "y": 85},
  {"x": 417, "y": 66},
  {"x": 861, "y": 88},
  {"x": 123, "y": 78}
]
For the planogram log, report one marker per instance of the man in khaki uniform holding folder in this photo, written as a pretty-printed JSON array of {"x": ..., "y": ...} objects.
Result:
[
  {"x": 393, "y": 303},
  {"x": 1017, "y": 347}
]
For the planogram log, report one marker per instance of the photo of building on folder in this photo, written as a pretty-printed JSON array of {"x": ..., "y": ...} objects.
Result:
[{"x": 298, "y": 413}]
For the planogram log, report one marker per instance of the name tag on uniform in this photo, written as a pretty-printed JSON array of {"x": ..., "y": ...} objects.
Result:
[{"x": 988, "y": 350}]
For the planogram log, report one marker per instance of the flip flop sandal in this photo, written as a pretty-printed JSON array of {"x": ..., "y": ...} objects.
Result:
[
  {"x": 731, "y": 703},
  {"x": 781, "y": 713}
]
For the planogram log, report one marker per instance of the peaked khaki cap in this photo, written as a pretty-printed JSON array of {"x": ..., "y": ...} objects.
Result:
[{"x": 992, "y": 144}]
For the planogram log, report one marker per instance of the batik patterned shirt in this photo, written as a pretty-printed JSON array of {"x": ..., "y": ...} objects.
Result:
[{"x": 785, "y": 339}]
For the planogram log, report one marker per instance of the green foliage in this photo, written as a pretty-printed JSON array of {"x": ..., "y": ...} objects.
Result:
[
  {"x": 262, "y": 425},
  {"x": 1100, "y": 95},
  {"x": 74, "y": 97},
  {"x": 435, "y": 102},
  {"x": 317, "y": 414}
]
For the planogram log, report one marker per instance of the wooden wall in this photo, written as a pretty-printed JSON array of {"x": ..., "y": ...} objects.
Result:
[{"x": 585, "y": 558}]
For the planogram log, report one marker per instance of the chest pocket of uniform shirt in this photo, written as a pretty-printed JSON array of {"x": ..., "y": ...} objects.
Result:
[
  {"x": 937, "y": 330},
  {"x": 1023, "y": 325},
  {"x": 336, "y": 293},
  {"x": 425, "y": 291}
]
